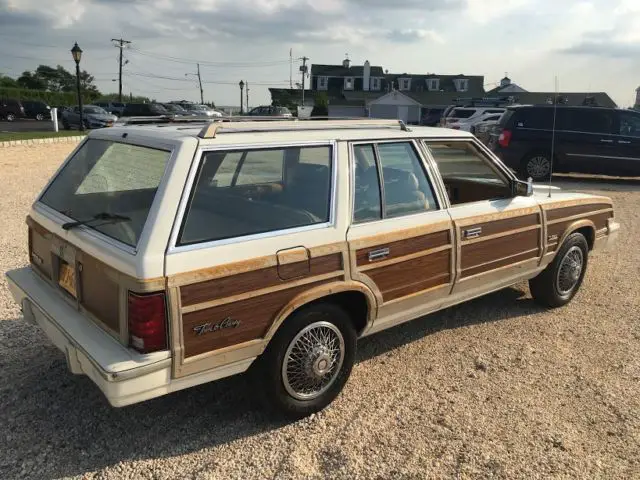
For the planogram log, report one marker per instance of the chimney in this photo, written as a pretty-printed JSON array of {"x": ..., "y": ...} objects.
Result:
[{"x": 366, "y": 76}]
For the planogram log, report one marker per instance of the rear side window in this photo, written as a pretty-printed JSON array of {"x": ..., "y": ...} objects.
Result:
[
  {"x": 630, "y": 124},
  {"x": 538, "y": 118},
  {"x": 247, "y": 192},
  {"x": 462, "y": 112},
  {"x": 390, "y": 181},
  {"x": 585, "y": 120}
]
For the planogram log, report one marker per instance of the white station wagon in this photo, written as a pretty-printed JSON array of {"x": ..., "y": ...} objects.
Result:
[{"x": 166, "y": 256}]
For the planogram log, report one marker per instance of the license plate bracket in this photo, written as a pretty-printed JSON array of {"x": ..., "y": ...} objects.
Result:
[{"x": 67, "y": 278}]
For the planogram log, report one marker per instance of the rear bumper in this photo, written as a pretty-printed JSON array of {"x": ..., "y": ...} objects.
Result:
[{"x": 123, "y": 375}]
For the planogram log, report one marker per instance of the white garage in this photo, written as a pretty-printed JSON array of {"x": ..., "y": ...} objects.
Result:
[{"x": 396, "y": 105}]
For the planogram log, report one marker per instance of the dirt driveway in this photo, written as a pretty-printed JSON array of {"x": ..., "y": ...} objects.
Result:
[{"x": 495, "y": 388}]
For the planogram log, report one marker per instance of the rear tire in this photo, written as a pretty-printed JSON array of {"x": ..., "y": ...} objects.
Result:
[
  {"x": 39, "y": 117},
  {"x": 557, "y": 284},
  {"x": 536, "y": 165},
  {"x": 309, "y": 360},
  {"x": 11, "y": 117}
]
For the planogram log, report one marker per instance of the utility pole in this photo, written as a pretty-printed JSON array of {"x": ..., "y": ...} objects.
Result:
[
  {"x": 197, "y": 74},
  {"x": 303, "y": 70},
  {"x": 121, "y": 44},
  {"x": 291, "y": 68},
  {"x": 200, "y": 83}
]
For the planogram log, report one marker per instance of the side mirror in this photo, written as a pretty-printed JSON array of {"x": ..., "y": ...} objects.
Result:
[{"x": 524, "y": 189}]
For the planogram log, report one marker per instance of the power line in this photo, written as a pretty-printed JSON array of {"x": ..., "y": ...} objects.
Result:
[{"x": 208, "y": 63}]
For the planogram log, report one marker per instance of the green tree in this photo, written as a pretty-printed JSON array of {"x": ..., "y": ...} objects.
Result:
[
  {"x": 31, "y": 81},
  {"x": 8, "y": 82}
]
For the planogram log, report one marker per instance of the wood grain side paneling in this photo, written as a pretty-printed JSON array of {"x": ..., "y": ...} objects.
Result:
[
  {"x": 255, "y": 315},
  {"x": 249, "y": 281},
  {"x": 506, "y": 225},
  {"x": 99, "y": 294},
  {"x": 558, "y": 229},
  {"x": 481, "y": 253},
  {"x": 405, "y": 278},
  {"x": 405, "y": 247},
  {"x": 503, "y": 262},
  {"x": 563, "y": 212},
  {"x": 40, "y": 246}
]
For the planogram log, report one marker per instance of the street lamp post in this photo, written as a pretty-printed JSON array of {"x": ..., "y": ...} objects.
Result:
[
  {"x": 76, "y": 51},
  {"x": 241, "y": 88}
]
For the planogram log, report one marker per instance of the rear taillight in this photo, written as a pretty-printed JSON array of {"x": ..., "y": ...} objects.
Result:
[
  {"x": 147, "y": 322},
  {"x": 505, "y": 138}
]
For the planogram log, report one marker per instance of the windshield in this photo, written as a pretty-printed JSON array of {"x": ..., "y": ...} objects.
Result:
[
  {"x": 97, "y": 110},
  {"x": 116, "y": 178}
]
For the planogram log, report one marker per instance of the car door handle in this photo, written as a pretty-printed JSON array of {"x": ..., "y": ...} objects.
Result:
[
  {"x": 378, "y": 254},
  {"x": 604, "y": 140},
  {"x": 624, "y": 141},
  {"x": 472, "y": 232}
]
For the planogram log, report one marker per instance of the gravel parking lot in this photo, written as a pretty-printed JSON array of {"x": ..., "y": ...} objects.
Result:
[{"x": 495, "y": 388}]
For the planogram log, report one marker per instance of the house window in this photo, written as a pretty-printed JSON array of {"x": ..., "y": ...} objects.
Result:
[
  {"x": 322, "y": 83},
  {"x": 462, "y": 84},
  {"x": 375, "y": 83},
  {"x": 348, "y": 83},
  {"x": 433, "y": 84},
  {"x": 405, "y": 84}
]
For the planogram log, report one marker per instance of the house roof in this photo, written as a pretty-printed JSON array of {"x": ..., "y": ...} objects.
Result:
[
  {"x": 476, "y": 82},
  {"x": 602, "y": 99},
  {"x": 340, "y": 71}
]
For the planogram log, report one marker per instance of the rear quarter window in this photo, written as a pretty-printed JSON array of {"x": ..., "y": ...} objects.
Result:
[
  {"x": 462, "y": 112},
  {"x": 239, "y": 193}
]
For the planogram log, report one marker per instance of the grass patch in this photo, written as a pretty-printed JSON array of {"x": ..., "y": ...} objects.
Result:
[{"x": 7, "y": 136}]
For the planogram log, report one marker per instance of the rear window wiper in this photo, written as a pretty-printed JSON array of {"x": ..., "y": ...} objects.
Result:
[{"x": 102, "y": 216}]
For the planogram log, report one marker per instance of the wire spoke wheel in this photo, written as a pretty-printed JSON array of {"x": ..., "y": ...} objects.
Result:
[
  {"x": 538, "y": 166},
  {"x": 570, "y": 270},
  {"x": 313, "y": 360}
]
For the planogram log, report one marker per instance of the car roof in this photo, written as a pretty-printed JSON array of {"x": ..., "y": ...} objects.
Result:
[{"x": 242, "y": 133}]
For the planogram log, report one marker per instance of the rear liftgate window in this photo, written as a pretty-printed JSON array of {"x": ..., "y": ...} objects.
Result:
[
  {"x": 109, "y": 178},
  {"x": 247, "y": 192}
]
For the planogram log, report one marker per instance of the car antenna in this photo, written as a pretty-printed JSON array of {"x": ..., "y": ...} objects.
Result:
[{"x": 553, "y": 130}]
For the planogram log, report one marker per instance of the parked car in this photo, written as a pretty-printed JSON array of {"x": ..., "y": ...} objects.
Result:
[
  {"x": 445, "y": 114},
  {"x": 469, "y": 124},
  {"x": 177, "y": 109},
  {"x": 431, "y": 116},
  {"x": 36, "y": 109},
  {"x": 467, "y": 116},
  {"x": 60, "y": 109},
  {"x": 92, "y": 117},
  {"x": 116, "y": 108},
  {"x": 205, "y": 110},
  {"x": 145, "y": 110},
  {"x": 586, "y": 140},
  {"x": 270, "y": 110},
  {"x": 11, "y": 109},
  {"x": 484, "y": 129},
  {"x": 163, "y": 258}
]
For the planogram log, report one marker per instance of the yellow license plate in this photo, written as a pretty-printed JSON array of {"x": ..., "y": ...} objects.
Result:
[{"x": 67, "y": 278}]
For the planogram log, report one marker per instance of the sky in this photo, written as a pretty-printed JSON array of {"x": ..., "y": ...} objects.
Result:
[{"x": 590, "y": 45}]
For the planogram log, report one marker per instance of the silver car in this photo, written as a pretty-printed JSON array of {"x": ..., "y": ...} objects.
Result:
[{"x": 92, "y": 117}]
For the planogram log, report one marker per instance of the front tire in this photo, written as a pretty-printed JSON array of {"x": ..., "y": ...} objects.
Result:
[
  {"x": 39, "y": 117},
  {"x": 537, "y": 166},
  {"x": 308, "y": 362},
  {"x": 10, "y": 117},
  {"x": 557, "y": 284}
]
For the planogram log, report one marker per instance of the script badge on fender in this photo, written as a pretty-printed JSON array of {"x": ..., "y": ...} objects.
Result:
[{"x": 214, "y": 327}]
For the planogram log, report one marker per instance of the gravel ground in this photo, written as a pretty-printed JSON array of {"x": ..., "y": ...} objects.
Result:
[{"x": 495, "y": 388}]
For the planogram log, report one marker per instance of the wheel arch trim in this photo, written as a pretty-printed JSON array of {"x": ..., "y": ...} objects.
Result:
[{"x": 318, "y": 293}]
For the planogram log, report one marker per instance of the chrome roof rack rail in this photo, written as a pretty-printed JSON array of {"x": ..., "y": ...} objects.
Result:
[{"x": 242, "y": 125}]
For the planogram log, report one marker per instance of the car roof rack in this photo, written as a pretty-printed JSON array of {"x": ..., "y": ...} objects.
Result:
[{"x": 316, "y": 123}]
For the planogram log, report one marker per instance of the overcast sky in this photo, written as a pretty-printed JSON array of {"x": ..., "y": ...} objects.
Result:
[{"x": 591, "y": 45}]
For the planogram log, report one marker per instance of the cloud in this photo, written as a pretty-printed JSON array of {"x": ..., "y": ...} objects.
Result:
[
  {"x": 618, "y": 50},
  {"x": 410, "y": 35}
]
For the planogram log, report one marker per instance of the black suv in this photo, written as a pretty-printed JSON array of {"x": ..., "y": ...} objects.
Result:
[
  {"x": 144, "y": 110},
  {"x": 36, "y": 109},
  {"x": 11, "y": 109},
  {"x": 587, "y": 140}
]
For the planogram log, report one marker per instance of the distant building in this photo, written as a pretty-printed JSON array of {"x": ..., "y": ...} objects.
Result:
[
  {"x": 506, "y": 86},
  {"x": 637, "y": 105}
]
